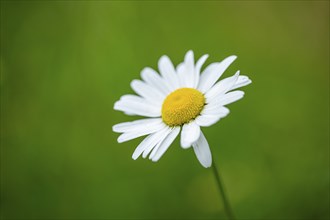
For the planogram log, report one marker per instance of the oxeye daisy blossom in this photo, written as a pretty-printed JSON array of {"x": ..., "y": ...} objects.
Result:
[{"x": 178, "y": 99}]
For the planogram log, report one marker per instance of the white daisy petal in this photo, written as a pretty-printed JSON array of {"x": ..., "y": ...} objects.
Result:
[
  {"x": 208, "y": 120},
  {"x": 212, "y": 105},
  {"x": 147, "y": 91},
  {"x": 202, "y": 151},
  {"x": 159, "y": 137},
  {"x": 129, "y": 113},
  {"x": 140, "y": 107},
  {"x": 221, "y": 87},
  {"x": 148, "y": 143},
  {"x": 135, "y": 98},
  {"x": 198, "y": 67},
  {"x": 142, "y": 146},
  {"x": 213, "y": 73},
  {"x": 167, "y": 70},
  {"x": 241, "y": 81},
  {"x": 141, "y": 132},
  {"x": 210, "y": 69},
  {"x": 189, "y": 134},
  {"x": 182, "y": 75},
  {"x": 129, "y": 98},
  {"x": 189, "y": 66},
  {"x": 230, "y": 97},
  {"x": 136, "y": 125},
  {"x": 165, "y": 144},
  {"x": 151, "y": 77},
  {"x": 214, "y": 110}
]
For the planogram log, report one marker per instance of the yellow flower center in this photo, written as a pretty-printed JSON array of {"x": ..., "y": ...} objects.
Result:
[{"x": 181, "y": 106}]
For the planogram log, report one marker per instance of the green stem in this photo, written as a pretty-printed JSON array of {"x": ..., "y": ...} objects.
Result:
[{"x": 227, "y": 206}]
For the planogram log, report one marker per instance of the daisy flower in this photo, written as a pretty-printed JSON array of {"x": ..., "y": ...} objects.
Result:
[{"x": 178, "y": 99}]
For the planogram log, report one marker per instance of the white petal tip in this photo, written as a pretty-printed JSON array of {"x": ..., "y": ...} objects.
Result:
[
  {"x": 116, "y": 106},
  {"x": 246, "y": 79},
  {"x": 163, "y": 58},
  {"x": 119, "y": 140},
  {"x": 190, "y": 53},
  {"x": 230, "y": 59},
  {"x": 240, "y": 94},
  {"x": 114, "y": 129},
  {"x": 207, "y": 165},
  {"x": 132, "y": 83},
  {"x": 185, "y": 145}
]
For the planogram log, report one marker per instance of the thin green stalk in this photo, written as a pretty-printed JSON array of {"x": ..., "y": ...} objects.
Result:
[{"x": 226, "y": 203}]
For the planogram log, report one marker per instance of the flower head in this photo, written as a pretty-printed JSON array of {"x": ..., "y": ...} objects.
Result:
[{"x": 181, "y": 98}]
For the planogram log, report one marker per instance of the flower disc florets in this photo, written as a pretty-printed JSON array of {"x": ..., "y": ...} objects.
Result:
[{"x": 182, "y": 106}]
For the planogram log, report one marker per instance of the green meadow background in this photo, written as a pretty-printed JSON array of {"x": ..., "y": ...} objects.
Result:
[{"x": 65, "y": 63}]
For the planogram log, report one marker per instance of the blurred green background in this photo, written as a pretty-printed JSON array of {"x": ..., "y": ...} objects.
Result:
[{"x": 64, "y": 64}]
